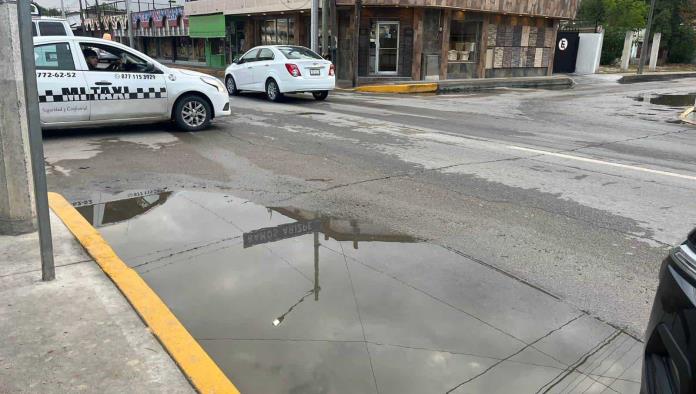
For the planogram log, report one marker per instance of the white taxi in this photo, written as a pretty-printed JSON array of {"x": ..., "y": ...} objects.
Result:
[
  {"x": 280, "y": 69},
  {"x": 85, "y": 81}
]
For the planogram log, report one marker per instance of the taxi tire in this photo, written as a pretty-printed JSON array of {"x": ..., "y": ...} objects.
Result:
[
  {"x": 272, "y": 84},
  {"x": 192, "y": 98},
  {"x": 234, "y": 91},
  {"x": 321, "y": 95}
]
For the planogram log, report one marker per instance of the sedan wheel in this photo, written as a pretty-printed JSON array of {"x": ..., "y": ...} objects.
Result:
[
  {"x": 272, "y": 91},
  {"x": 231, "y": 86},
  {"x": 193, "y": 113},
  {"x": 320, "y": 96}
]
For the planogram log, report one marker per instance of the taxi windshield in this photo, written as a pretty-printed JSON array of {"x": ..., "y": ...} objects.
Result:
[{"x": 101, "y": 57}]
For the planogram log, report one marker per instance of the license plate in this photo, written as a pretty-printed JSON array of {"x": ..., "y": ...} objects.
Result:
[{"x": 314, "y": 71}]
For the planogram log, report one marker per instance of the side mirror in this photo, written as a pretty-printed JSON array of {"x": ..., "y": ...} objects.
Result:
[
  {"x": 235, "y": 60},
  {"x": 150, "y": 68}
]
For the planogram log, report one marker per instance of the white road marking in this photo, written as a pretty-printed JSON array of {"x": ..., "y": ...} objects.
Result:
[{"x": 606, "y": 163}]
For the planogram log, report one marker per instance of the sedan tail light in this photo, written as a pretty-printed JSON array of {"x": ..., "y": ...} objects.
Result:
[
  {"x": 332, "y": 70},
  {"x": 293, "y": 69}
]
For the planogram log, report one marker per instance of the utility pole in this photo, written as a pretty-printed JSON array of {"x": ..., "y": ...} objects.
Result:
[
  {"x": 129, "y": 24},
  {"x": 62, "y": 9},
  {"x": 21, "y": 154},
  {"x": 325, "y": 28},
  {"x": 313, "y": 28},
  {"x": 82, "y": 17},
  {"x": 646, "y": 38},
  {"x": 356, "y": 42}
]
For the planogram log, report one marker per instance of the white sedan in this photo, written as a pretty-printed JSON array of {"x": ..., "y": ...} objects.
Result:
[
  {"x": 85, "y": 81},
  {"x": 280, "y": 69}
]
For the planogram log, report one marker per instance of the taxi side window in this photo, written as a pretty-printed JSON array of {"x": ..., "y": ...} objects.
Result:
[
  {"x": 102, "y": 57},
  {"x": 55, "y": 56}
]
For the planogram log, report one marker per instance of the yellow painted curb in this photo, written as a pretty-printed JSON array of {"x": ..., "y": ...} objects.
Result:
[
  {"x": 401, "y": 88},
  {"x": 205, "y": 376},
  {"x": 684, "y": 117}
]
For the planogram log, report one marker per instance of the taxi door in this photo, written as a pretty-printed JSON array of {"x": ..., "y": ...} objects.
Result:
[
  {"x": 133, "y": 94},
  {"x": 63, "y": 95}
]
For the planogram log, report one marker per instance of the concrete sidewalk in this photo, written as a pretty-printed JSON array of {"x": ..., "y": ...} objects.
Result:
[{"x": 76, "y": 333}]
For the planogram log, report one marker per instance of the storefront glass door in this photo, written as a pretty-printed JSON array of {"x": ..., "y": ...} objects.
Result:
[{"x": 387, "y": 57}]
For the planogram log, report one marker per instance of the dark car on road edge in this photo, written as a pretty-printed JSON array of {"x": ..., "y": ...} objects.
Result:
[{"x": 669, "y": 364}]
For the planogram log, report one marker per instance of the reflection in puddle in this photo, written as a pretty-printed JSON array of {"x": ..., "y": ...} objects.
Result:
[
  {"x": 671, "y": 100},
  {"x": 288, "y": 300}
]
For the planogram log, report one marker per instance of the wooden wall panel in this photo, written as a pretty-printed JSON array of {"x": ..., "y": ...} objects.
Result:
[{"x": 564, "y": 9}]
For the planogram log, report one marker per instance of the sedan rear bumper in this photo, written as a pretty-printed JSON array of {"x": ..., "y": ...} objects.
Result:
[{"x": 301, "y": 84}]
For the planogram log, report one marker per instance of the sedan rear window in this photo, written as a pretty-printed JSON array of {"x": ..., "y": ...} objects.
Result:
[
  {"x": 52, "y": 29},
  {"x": 298, "y": 53}
]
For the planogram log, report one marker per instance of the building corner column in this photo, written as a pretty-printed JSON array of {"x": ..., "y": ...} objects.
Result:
[
  {"x": 417, "y": 58},
  {"x": 552, "y": 55},
  {"x": 17, "y": 209},
  {"x": 446, "y": 20}
]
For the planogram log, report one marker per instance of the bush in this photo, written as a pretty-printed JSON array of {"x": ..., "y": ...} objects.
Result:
[
  {"x": 682, "y": 45},
  {"x": 612, "y": 46}
]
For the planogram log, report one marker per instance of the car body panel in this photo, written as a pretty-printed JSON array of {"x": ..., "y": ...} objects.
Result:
[
  {"x": 669, "y": 363},
  {"x": 121, "y": 97}
]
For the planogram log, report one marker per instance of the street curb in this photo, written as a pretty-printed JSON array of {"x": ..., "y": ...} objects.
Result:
[
  {"x": 399, "y": 88},
  {"x": 205, "y": 376},
  {"x": 637, "y": 78},
  {"x": 684, "y": 116}
]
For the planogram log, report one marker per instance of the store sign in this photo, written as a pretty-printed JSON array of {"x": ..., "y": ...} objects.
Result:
[
  {"x": 284, "y": 231},
  {"x": 563, "y": 44}
]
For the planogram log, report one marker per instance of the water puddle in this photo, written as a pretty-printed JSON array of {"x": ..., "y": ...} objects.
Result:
[
  {"x": 670, "y": 100},
  {"x": 287, "y": 300}
]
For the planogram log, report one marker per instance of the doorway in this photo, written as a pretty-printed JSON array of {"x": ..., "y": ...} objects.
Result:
[{"x": 387, "y": 48}]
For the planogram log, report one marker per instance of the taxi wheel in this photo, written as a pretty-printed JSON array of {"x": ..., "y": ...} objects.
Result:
[
  {"x": 231, "y": 86},
  {"x": 192, "y": 113},
  {"x": 321, "y": 96},
  {"x": 272, "y": 90}
]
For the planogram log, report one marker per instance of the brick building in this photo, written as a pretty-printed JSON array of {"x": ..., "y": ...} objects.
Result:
[{"x": 397, "y": 39}]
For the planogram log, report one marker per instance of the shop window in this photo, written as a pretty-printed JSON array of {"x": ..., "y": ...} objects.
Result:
[
  {"x": 278, "y": 31},
  {"x": 465, "y": 37}
]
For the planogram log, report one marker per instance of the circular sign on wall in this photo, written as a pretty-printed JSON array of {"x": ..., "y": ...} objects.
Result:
[{"x": 563, "y": 44}]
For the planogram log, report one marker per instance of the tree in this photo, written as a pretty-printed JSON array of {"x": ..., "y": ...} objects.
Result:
[
  {"x": 617, "y": 17},
  {"x": 675, "y": 20},
  {"x": 48, "y": 11}
]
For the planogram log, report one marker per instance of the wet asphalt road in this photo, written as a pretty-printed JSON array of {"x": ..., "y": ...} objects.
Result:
[{"x": 575, "y": 195}]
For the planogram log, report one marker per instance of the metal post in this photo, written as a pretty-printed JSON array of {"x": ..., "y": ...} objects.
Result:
[
  {"x": 646, "y": 39},
  {"x": 316, "y": 266},
  {"x": 325, "y": 28},
  {"x": 313, "y": 26},
  {"x": 62, "y": 9},
  {"x": 356, "y": 35},
  {"x": 129, "y": 24},
  {"x": 35, "y": 140}
]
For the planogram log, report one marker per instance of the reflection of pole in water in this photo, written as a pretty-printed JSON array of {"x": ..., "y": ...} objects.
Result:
[{"x": 316, "y": 266}]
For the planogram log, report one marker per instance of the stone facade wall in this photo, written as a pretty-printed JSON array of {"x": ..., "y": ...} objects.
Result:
[{"x": 518, "y": 47}]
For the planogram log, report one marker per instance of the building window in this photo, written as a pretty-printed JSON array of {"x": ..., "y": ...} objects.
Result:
[
  {"x": 465, "y": 36},
  {"x": 279, "y": 31}
]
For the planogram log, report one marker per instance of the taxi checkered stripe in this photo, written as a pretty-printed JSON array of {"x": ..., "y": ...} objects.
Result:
[{"x": 68, "y": 94}]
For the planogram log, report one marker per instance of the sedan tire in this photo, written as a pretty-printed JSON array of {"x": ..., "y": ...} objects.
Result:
[
  {"x": 193, "y": 113},
  {"x": 320, "y": 96},
  {"x": 273, "y": 91},
  {"x": 231, "y": 86}
]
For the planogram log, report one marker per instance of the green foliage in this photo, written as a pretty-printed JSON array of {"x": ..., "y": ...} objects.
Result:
[
  {"x": 612, "y": 46},
  {"x": 626, "y": 14},
  {"x": 618, "y": 14},
  {"x": 674, "y": 19}
]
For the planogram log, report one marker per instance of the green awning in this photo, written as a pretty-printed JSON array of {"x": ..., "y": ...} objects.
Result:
[{"x": 207, "y": 26}]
